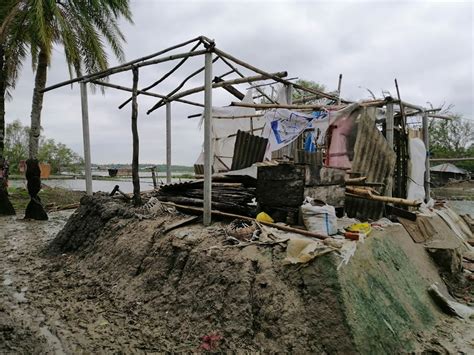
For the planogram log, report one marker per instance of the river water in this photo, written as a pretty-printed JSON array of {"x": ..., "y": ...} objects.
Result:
[{"x": 79, "y": 184}]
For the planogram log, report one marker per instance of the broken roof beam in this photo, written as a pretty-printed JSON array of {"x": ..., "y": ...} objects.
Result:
[
  {"x": 291, "y": 107},
  {"x": 216, "y": 85},
  {"x": 121, "y": 68},
  {"x": 164, "y": 77},
  {"x": 229, "y": 88},
  {"x": 283, "y": 81},
  {"x": 226, "y": 62},
  {"x": 123, "y": 88},
  {"x": 190, "y": 76},
  {"x": 416, "y": 112}
]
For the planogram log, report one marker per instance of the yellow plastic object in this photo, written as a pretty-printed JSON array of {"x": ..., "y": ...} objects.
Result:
[
  {"x": 263, "y": 217},
  {"x": 364, "y": 228}
]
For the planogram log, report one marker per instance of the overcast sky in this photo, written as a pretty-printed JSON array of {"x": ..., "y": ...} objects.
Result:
[{"x": 427, "y": 46}]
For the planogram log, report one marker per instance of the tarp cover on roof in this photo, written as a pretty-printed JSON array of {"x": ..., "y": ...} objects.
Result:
[{"x": 448, "y": 168}]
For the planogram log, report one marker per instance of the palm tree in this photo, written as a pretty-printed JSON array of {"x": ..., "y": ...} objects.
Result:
[
  {"x": 12, "y": 53},
  {"x": 82, "y": 28}
]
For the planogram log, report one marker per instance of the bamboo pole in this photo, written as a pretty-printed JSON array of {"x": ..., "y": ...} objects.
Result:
[
  {"x": 146, "y": 93},
  {"x": 363, "y": 193},
  {"x": 136, "y": 144},
  {"x": 402, "y": 107},
  {"x": 226, "y": 62},
  {"x": 175, "y": 90},
  {"x": 86, "y": 77},
  {"x": 426, "y": 140},
  {"x": 269, "y": 75},
  {"x": 215, "y": 85},
  {"x": 443, "y": 117},
  {"x": 120, "y": 69},
  {"x": 164, "y": 77},
  {"x": 236, "y": 117},
  {"x": 86, "y": 138},
  {"x": 208, "y": 153},
  {"x": 272, "y": 83},
  {"x": 339, "y": 84},
  {"x": 452, "y": 159},
  {"x": 294, "y": 107},
  {"x": 389, "y": 124},
  {"x": 168, "y": 142}
]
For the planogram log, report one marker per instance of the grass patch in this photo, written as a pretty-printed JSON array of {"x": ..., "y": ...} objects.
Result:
[{"x": 19, "y": 197}]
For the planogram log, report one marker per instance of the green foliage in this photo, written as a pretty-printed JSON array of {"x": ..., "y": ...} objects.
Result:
[
  {"x": 58, "y": 155},
  {"x": 307, "y": 84},
  {"x": 453, "y": 139},
  {"x": 83, "y": 28}
]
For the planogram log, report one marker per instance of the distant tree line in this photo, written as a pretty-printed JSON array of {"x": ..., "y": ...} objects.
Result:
[
  {"x": 58, "y": 155},
  {"x": 453, "y": 139}
]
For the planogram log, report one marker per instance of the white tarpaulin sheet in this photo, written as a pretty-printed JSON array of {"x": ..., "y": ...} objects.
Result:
[
  {"x": 224, "y": 130},
  {"x": 283, "y": 126},
  {"x": 417, "y": 151}
]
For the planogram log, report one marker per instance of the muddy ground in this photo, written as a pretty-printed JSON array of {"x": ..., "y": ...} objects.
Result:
[{"x": 124, "y": 285}]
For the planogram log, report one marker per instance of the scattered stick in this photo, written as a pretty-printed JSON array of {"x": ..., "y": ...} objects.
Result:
[
  {"x": 231, "y": 215},
  {"x": 182, "y": 223},
  {"x": 363, "y": 193},
  {"x": 71, "y": 206}
]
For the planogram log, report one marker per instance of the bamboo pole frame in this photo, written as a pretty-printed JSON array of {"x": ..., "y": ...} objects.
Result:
[
  {"x": 122, "y": 68},
  {"x": 174, "y": 95},
  {"x": 283, "y": 81},
  {"x": 229, "y": 64},
  {"x": 185, "y": 81},
  {"x": 164, "y": 77},
  {"x": 215, "y": 85},
  {"x": 146, "y": 93}
]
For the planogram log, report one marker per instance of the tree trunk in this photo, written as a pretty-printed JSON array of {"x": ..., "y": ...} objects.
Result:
[
  {"x": 135, "y": 178},
  {"x": 35, "y": 209},
  {"x": 6, "y": 208},
  {"x": 3, "y": 87}
]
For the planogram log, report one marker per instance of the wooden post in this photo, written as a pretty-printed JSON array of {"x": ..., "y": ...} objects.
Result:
[
  {"x": 389, "y": 124},
  {"x": 136, "y": 144},
  {"x": 389, "y": 137},
  {"x": 208, "y": 153},
  {"x": 168, "y": 142},
  {"x": 339, "y": 84},
  {"x": 426, "y": 140},
  {"x": 86, "y": 138},
  {"x": 153, "y": 177},
  {"x": 292, "y": 147}
]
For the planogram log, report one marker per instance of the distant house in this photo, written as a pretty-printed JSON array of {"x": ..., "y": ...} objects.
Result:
[
  {"x": 45, "y": 169},
  {"x": 443, "y": 173}
]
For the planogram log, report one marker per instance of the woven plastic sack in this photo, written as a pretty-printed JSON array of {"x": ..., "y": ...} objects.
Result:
[{"x": 319, "y": 219}]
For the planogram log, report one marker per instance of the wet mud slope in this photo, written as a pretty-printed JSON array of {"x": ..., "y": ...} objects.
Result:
[{"x": 114, "y": 279}]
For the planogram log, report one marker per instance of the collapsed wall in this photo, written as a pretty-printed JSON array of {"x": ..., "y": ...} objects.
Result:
[{"x": 194, "y": 284}]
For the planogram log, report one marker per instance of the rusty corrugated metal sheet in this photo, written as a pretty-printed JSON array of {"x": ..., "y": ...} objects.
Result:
[
  {"x": 374, "y": 159},
  {"x": 248, "y": 149}
]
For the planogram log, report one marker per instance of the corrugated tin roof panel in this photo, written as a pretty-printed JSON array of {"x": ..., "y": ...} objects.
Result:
[{"x": 374, "y": 159}]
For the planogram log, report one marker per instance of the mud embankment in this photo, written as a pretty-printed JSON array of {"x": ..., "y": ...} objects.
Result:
[{"x": 113, "y": 280}]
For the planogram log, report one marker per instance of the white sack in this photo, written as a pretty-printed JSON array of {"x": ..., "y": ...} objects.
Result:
[{"x": 319, "y": 219}]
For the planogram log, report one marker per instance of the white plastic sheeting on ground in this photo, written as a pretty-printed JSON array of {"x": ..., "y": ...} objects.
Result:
[{"x": 417, "y": 151}]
